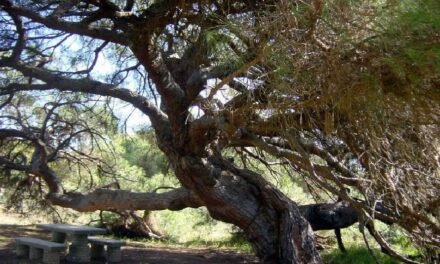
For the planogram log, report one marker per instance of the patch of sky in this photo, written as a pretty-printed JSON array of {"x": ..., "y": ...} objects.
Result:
[
  {"x": 77, "y": 54},
  {"x": 224, "y": 94}
]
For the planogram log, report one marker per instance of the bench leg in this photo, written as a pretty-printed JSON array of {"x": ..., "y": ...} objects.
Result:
[
  {"x": 79, "y": 250},
  {"x": 51, "y": 257},
  {"x": 114, "y": 254},
  {"x": 97, "y": 251},
  {"x": 35, "y": 253},
  {"x": 22, "y": 251}
]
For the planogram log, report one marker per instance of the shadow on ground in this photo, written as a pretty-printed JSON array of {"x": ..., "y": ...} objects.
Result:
[{"x": 132, "y": 254}]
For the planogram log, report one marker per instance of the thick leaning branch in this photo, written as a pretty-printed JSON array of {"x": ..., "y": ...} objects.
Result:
[
  {"x": 326, "y": 216},
  {"x": 107, "y": 199},
  {"x": 100, "y": 199}
]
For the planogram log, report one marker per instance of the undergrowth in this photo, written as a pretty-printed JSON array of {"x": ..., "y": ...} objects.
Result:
[{"x": 358, "y": 255}]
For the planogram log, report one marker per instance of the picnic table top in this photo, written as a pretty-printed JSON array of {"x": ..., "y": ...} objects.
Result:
[{"x": 73, "y": 229}]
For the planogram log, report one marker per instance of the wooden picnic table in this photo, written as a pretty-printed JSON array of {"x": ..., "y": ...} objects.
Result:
[{"x": 79, "y": 250}]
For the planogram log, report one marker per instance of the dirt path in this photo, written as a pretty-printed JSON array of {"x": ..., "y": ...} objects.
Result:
[{"x": 132, "y": 254}]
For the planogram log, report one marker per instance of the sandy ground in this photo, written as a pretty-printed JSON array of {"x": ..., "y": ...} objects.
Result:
[{"x": 135, "y": 253}]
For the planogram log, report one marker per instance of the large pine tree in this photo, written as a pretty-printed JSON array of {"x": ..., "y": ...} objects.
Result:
[{"x": 344, "y": 92}]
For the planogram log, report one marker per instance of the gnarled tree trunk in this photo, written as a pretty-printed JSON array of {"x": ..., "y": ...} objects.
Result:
[{"x": 271, "y": 221}]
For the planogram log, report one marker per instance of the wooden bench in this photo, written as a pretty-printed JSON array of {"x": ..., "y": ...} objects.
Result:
[
  {"x": 113, "y": 252},
  {"x": 35, "y": 248}
]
